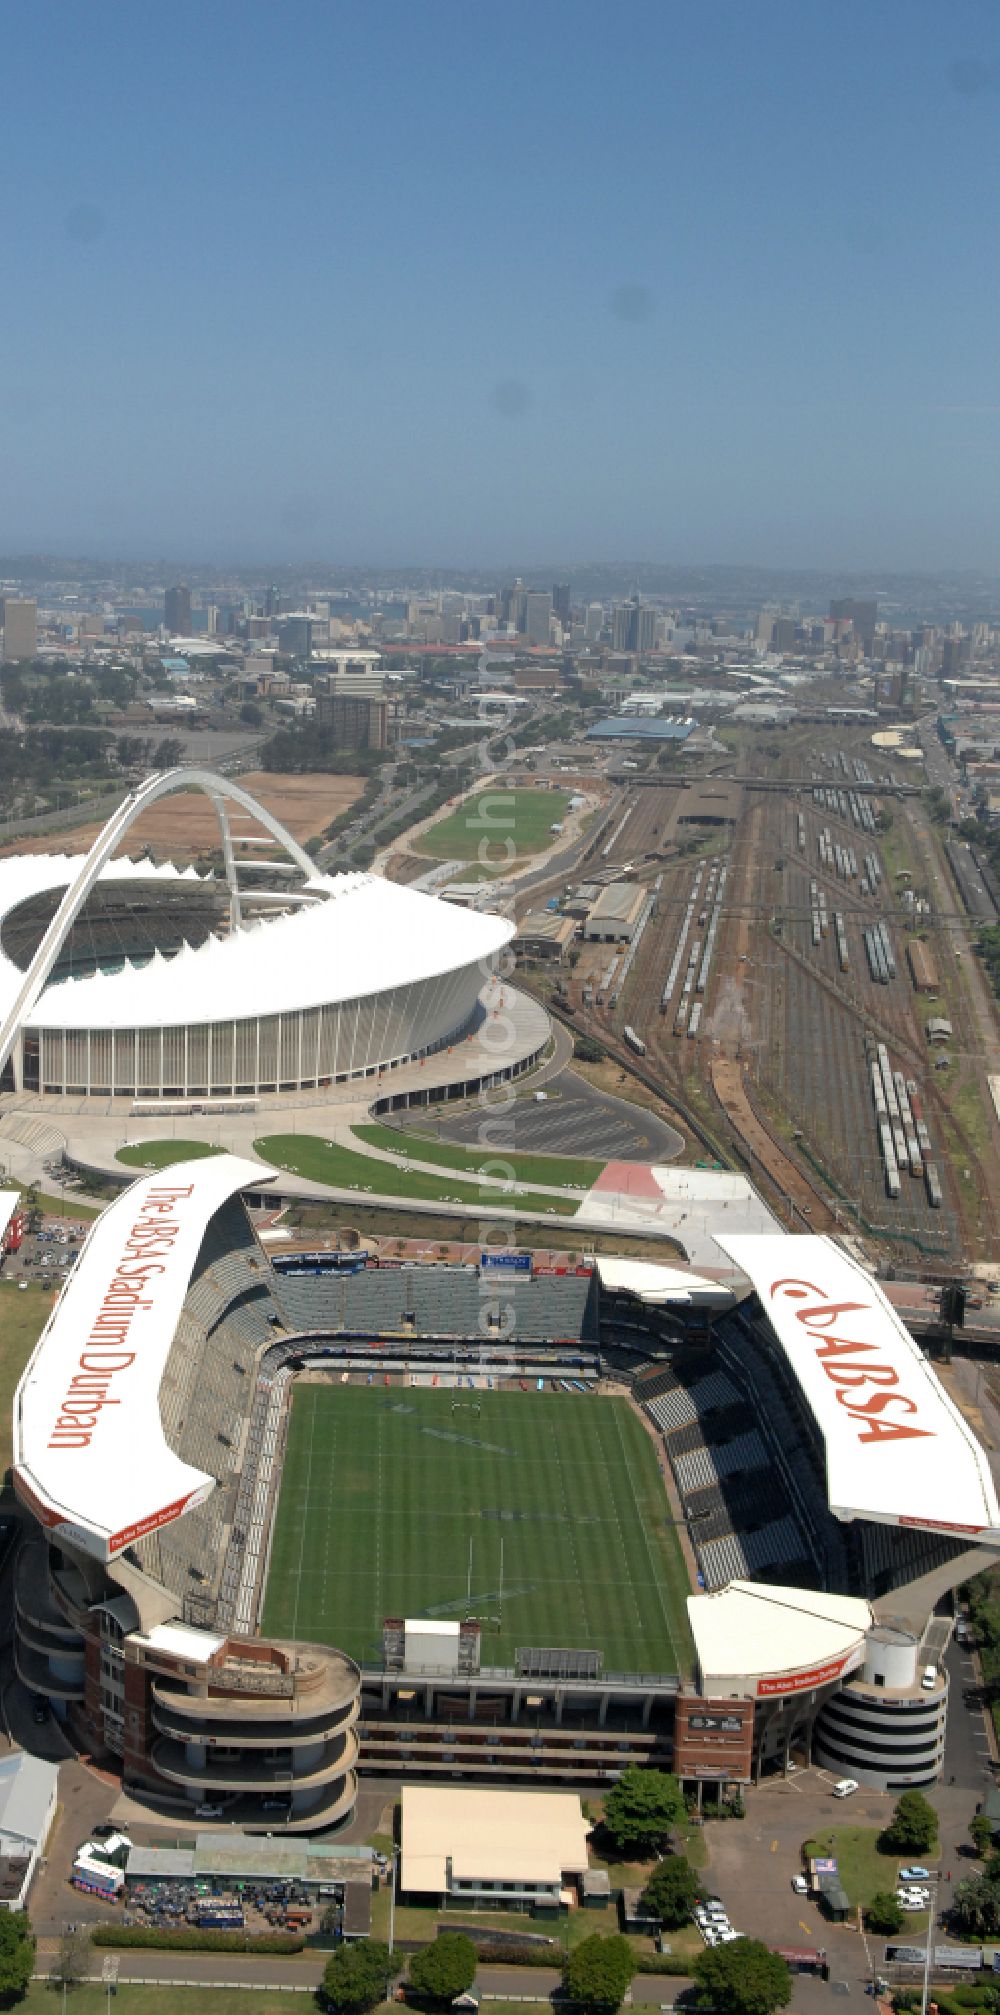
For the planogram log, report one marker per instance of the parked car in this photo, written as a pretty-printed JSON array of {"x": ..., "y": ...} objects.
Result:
[
  {"x": 800, "y": 1885},
  {"x": 914, "y": 1874},
  {"x": 846, "y": 1787}
]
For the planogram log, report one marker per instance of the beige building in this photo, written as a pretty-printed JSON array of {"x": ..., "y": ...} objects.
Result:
[
  {"x": 20, "y": 628},
  {"x": 616, "y": 913},
  {"x": 512, "y": 1849},
  {"x": 543, "y": 934}
]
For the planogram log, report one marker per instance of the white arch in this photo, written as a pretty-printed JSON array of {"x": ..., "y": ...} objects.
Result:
[{"x": 105, "y": 846}]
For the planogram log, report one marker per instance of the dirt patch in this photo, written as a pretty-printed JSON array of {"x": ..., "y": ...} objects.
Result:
[
  {"x": 730, "y": 1090},
  {"x": 184, "y": 824}
]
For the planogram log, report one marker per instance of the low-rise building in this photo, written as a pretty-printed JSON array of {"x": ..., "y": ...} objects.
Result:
[
  {"x": 616, "y": 913},
  {"x": 514, "y": 1850},
  {"x": 544, "y": 934}
]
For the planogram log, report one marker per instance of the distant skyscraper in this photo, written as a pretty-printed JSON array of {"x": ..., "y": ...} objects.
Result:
[
  {"x": 177, "y": 611},
  {"x": 864, "y": 616},
  {"x": 595, "y": 620},
  {"x": 272, "y": 602},
  {"x": 537, "y": 614},
  {"x": 20, "y": 628},
  {"x": 211, "y": 619},
  {"x": 633, "y": 626},
  {"x": 560, "y": 601}
]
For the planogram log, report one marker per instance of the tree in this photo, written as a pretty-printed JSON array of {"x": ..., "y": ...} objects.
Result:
[
  {"x": 17, "y": 1955},
  {"x": 168, "y": 753},
  {"x": 73, "y": 1963},
  {"x": 357, "y": 1977},
  {"x": 251, "y": 714},
  {"x": 599, "y": 1972},
  {"x": 440, "y": 1971},
  {"x": 671, "y": 1891},
  {"x": 975, "y": 1906},
  {"x": 744, "y": 1978},
  {"x": 883, "y": 1914},
  {"x": 982, "y": 1834},
  {"x": 641, "y": 1808},
  {"x": 913, "y": 1826}
]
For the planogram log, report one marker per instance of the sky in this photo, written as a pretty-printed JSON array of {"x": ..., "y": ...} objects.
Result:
[{"x": 455, "y": 283}]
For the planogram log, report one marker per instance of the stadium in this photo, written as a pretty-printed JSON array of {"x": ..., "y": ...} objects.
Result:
[
  {"x": 300, "y": 1515},
  {"x": 124, "y": 980}
]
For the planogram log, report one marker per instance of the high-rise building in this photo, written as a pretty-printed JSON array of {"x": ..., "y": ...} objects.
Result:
[
  {"x": 560, "y": 601},
  {"x": 20, "y": 628},
  {"x": 211, "y": 619},
  {"x": 783, "y": 633},
  {"x": 633, "y": 626},
  {"x": 595, "y": 621},
  {"x": 864, "y": 616},
  {"x": 537, "y": 615},
  {"x": 351, "y": 703},
  {"x": 272, "y": 602},
  {"x": 177, "y": 611}
]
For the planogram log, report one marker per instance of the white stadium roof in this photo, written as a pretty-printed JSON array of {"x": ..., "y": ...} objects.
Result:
[
  {"x": 361, "y": 936},
  {"x": 660, "y": 1285},
  {"x": 90, "y": 1456},
  {"x": 753, "y": 1638},
  {"x": 898, "y": 1450}
]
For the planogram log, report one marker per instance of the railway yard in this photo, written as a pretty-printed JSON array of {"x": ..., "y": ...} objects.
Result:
[{"x": 801, "y": 986}]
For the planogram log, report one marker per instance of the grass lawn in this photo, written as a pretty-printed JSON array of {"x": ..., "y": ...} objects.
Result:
[
  {"x": 479, "y": 829},
  {"x": 22, "y": 1318},
  {"x": 58, "y": 1206},
  {"x": 160, "y": 1153},
  {"x": 342, "y": 1168},
  {"x": 555, "y": 1170},
  {"x": 384, "y": 1490},
  {"x": 92, "y": 1999},
  {"x": 863, "y": 1870}
]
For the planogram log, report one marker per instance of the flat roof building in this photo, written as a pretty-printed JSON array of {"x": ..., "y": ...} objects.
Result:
[
  {"x": 616, "y": 913},
  {"x": 544, "y": 934},
  {"x": 513, "y": 1847}
]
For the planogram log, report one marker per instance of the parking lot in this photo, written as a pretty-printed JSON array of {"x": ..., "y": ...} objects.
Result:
[{"x": 575, "y": 1119}]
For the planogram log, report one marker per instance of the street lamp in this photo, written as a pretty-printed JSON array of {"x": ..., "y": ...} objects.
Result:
[{"x": 931, "y": 1919}]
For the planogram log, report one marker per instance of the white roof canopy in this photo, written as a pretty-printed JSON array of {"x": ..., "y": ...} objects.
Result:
[
  {"x": 90, "y": 1456},
  {"x": 752, "y": 1637},
  {"x": 359, "y": 936},
  {"x": 898, "y": 1450}
]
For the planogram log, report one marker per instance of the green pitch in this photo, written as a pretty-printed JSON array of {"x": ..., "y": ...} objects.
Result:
[
  {"x": 384, "y": 1488},
  {"x": 481, "y": 827}
]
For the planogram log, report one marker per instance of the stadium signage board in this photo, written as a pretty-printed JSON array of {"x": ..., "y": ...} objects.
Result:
[
  {"x": 802, "y": 1682},
  {"x": 91, "y": 1457},
  {"x": 505, "y": 1262},
  {"x": 897, "y": 1449}
]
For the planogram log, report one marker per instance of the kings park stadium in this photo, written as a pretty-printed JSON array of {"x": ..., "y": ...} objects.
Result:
[{"x": 294, "y": 1515}]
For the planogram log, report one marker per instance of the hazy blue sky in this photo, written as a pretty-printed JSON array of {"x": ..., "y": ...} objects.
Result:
[{"x": 453, "y": 281}]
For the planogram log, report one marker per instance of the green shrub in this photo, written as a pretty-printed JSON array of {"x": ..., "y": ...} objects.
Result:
[{"x": 193, "y": 1940}]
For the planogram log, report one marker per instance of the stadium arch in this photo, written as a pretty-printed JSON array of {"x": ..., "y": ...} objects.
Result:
[{"x": 218, "y": 790}]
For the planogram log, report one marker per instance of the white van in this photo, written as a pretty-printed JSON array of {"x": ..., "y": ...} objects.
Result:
[{"x": 928, "y": 1678}]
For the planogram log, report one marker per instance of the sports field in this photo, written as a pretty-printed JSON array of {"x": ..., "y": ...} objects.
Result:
[
  {"x": 481, "y": 827},
  {"x": 385, "y": 1489}
]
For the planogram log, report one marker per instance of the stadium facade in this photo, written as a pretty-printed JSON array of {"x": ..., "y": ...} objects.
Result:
[
  {"x": 122, "y": 979},
  {"x": 148, "y": 1437}
]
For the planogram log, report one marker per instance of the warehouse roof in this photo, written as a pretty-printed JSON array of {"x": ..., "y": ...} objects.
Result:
[
  {"x": 619, "y": 899},
  {"x": 90, "y": 1456},
  {"x": 361, "y": 936},
  {"x": 898, "y": 1450},
  {"x": 547, "y": 924},
  {"x": 617, "y": 728},
  {"x": 527, "y": 1836}
]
